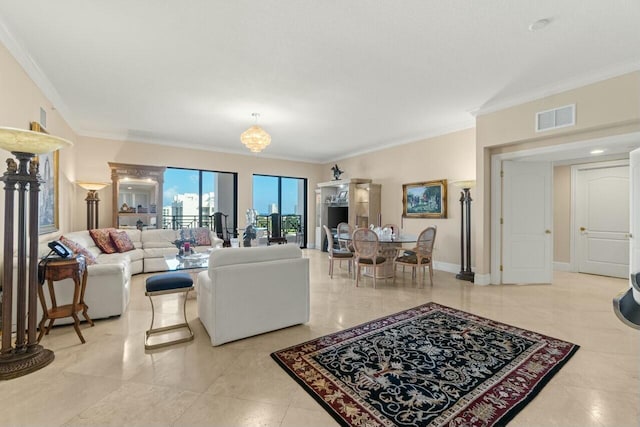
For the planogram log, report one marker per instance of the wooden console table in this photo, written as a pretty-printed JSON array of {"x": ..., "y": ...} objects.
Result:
[{"x": 54, "y": 270}]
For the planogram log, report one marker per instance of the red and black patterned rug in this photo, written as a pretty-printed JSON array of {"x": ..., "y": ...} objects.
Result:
[{"x": 428, "y": 366}]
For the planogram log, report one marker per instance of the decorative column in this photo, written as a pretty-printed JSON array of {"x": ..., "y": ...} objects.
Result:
[
  {"x": 465, "y": 230},
  {"x": 25, "y": 355},
  {"x": 92, "y": 201}
]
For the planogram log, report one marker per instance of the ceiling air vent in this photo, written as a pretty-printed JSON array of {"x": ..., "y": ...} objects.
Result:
[{"x": 556, "y": 118}]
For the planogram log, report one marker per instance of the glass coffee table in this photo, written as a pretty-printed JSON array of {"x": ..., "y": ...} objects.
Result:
[{"x": 187, "y": 262}]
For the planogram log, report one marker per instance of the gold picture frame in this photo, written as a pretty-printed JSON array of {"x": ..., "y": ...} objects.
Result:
[
  {"x": 48, "y": 221},
  {"x": 425, "y": 199}
]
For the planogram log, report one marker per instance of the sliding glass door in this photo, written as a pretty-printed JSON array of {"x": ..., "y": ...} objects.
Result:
[
  {"x": 192, "y": 196},
  {"x": 286, "y": 196}
]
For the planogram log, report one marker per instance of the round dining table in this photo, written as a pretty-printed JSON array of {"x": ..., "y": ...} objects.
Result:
[{"x": 389, "y": 245}]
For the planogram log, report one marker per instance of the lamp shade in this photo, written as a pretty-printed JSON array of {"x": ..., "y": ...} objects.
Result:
[
  {"x": 255, "y": 138},
  {"x": 468, "y": 183},
  {"x": 92, "y": 186},
  {"x": 26, "y": 141}
]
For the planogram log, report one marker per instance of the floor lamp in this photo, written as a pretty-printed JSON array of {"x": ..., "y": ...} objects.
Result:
[
  {"x": 24, "y": 355},
  {"x": 92, "y": 201},
  {"x": 465, "y": 230}
]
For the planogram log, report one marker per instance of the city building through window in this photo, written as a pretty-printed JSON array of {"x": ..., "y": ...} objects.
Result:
[{"x": 192, "y": 196}]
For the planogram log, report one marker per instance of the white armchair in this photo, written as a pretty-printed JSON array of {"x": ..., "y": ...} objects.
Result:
[{"x": 249, "y": 291}]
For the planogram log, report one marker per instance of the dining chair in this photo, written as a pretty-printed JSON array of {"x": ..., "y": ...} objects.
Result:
[
  {"x": 274, "y": 230},
  {"x": 344, "y": 229},
  {"x": 419, "y": 257},
  {"x": 221, "y": 229},
  {"x": 366, "y": 246},
  {"x": 339, "y": 254}
]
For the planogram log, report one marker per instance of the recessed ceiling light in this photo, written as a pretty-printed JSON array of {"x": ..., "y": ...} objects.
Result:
[
  {"x": 598, "y": 151},
  {"x": 539, "y": 24}
]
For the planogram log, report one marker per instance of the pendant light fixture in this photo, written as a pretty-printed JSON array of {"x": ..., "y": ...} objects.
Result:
[{"x": 255, "y": 138}]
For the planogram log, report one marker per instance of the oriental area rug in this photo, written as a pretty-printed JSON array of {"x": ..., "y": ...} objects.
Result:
[{"x": 427, "y": 366}]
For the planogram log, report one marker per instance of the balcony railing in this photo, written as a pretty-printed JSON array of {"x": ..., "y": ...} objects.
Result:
[
  {"x": 177, "y": 222},
  {"x": 291, "y": 225}
]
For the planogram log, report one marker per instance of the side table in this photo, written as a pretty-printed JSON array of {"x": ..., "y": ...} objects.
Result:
[{"x": 54, "y": 270}]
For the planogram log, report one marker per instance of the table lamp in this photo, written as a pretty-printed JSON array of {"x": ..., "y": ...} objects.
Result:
[{"x": 25, "y": 355}]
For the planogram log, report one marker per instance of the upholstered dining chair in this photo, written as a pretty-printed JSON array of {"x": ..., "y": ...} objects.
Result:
[
  {"x": 344, "y": 229},
  {"x": 419, "y": 257},
  {"x": 336, "y": 254},
  {"x": 366, "y": 246}
]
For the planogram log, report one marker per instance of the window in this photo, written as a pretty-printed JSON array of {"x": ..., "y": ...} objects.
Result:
[
  {"x": 286, "y": 196},
  {"x": 192, "y": 196}
]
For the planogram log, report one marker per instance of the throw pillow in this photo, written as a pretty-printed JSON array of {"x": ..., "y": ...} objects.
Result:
[
  {"x": 77, "y": 248},
  {"x": 121, "y": 241},
  {"x": 186, "y": 234},
  {"x": 202, "y": 236},
  {"x": 103, "y": 240}
]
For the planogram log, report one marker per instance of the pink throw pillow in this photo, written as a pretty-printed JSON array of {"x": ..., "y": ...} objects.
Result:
[
  {"x": 77, "y": 248},
  {"x": 121, "y": 241},
  {"x": 103, "y": 240},
  {"x": 202, "y": 236}
]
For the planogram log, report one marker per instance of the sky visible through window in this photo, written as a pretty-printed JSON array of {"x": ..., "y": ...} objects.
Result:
[
  {"x": 265, "y": 189},
  {"x": 181, "y": 181},
  {"x": 265, "y": 194}
]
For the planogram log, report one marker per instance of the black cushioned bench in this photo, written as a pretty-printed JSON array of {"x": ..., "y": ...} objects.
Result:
[{"x": 164, "y": 284}]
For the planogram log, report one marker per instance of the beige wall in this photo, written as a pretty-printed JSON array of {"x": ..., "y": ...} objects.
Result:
[
  {"x": 609, "y": 107},
  {"x": 562, "y": 214},
  {"x": 96, "y": 153},
  {"x": 20, "y": 103},
  {"x": 450, "y": 157}
]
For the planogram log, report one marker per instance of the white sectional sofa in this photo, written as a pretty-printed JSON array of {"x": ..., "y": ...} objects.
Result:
[
  {"x": 249, "y": 291},
  {"x": 108, "y": 281}
]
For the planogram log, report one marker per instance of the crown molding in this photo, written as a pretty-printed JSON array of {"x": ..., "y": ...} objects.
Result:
[
  {"x": 444, "y": 130},
  {"x": 563, "y": 86},
  {"x": 33, "y": 71},
  {"x": 125, "y": 137}
]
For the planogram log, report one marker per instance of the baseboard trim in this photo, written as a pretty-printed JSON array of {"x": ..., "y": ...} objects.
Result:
[
  {"x": 446, "y": 266},
  {"x": 482, "y": 279},
  {"x": 561, "y": 266}
]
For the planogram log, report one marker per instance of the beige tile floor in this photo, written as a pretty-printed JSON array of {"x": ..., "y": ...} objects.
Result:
[{"x": 112, "y": 381}]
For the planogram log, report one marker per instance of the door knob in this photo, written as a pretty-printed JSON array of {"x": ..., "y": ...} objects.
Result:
[
  {"x": 547, "y": 231},
  {"x": 582, "y": 229}
]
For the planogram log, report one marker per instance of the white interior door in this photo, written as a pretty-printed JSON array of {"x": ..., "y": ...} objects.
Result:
[
  {"x": 527, "y": 246},
  {"x": 602, "y": 219},
  {"x": 634, "y": 223}
]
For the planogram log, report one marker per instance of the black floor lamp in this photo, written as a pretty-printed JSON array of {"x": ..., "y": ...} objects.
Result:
[
  {"x": 465, "y": 230},
  {"x": 92, "y": 201},
  {"x": 24, "y": 355}
]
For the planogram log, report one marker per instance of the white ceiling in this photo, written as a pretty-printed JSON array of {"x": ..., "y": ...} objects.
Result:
[{"x": 330, "y": 78}]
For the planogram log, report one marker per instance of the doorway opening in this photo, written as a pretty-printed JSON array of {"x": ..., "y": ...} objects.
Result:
[{"x": 615, "y": 148}]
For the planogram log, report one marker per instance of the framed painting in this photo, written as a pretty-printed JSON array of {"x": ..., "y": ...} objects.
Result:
[
  {"x": 425, "y": 199},
  {"x": 48, "y": 196}
]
